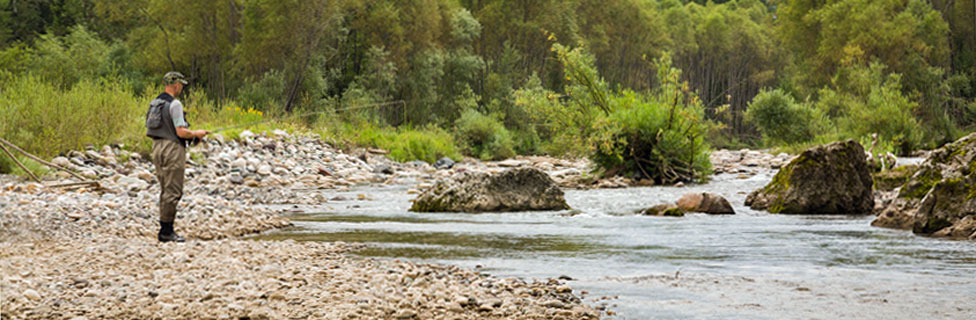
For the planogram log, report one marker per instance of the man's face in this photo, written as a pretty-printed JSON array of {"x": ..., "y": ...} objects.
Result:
[{"x": 179, "y": 87}]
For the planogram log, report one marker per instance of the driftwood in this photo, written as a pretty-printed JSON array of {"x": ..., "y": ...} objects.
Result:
[
  {"x": 21, "y": 165},
  {"x": 84, "y": 181}
]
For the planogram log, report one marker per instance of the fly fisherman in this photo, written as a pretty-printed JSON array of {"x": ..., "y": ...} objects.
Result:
[{"x": 166, "y": 125}]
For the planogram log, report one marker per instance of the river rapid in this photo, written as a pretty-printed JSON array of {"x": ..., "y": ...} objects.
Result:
[{"x": 751, "y": 265}]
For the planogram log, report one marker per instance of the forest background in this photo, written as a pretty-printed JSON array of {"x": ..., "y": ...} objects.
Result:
[{"x": 641, "y": 87}]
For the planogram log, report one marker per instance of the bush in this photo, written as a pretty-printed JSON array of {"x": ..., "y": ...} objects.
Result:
[
  {"x": 45, "y": 120},
  {"x": 484, "y": 136},
  {"x": 658, "y": 136},
  {"x": 780, "y": 119},
  {"x": 652, "y": 140}
]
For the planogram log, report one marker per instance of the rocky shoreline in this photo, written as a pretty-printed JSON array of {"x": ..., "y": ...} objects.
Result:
[{"x": 90, "y": 253}]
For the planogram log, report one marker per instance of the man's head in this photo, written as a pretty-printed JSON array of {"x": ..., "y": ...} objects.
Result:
[{"x": 174, "y": 82}]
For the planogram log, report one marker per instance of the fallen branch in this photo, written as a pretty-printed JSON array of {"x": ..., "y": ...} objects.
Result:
[
  {"x": 21, "y": 165},
  {"x": 18, "y": 149}
]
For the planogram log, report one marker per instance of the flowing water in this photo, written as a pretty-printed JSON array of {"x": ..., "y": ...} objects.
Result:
[{"x": 752, "y": 265}]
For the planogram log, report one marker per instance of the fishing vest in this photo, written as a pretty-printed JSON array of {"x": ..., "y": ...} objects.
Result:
[{"x": 159, "y": 120}]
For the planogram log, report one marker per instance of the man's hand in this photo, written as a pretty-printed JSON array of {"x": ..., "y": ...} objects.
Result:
[{"x": 201, "y": 133}]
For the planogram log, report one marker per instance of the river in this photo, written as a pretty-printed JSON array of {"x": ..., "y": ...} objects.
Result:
[{"x": 751, "y": 265}]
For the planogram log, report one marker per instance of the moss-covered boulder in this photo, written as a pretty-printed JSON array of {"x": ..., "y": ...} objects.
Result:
[
  {"x": 940, "y": 198},
  {"x": 828, "y": 179},
  {"x": 663, "y": 210},
  {"x": 521, "y": 189}
]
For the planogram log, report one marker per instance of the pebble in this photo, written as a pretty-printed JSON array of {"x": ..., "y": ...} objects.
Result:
[{"x": 32, "y": 295}]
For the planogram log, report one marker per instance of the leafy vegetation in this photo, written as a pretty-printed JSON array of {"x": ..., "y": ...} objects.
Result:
[{"x": 495, "y": 78}]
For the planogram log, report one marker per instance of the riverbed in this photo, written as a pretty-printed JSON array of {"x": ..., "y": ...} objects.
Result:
[{"x": 751, "y": 265}]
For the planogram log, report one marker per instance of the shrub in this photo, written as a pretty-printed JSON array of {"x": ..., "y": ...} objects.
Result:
[
  {"x": 45, "y": 120},
  {"x": 484, "y": 136},
  {"x": 658, "y": 136},
  {"x": 652, "y": 140},
  {"x": 780, "y": 119}
]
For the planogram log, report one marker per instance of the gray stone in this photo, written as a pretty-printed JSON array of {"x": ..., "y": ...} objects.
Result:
[
  {"x": 828, "y": 179},
  {"x": 236, "y": 179},
  {"x": 133, "y": 183},
  {"x": 246, "y": 134},
  {"x": 418, "y": 163},
  {"x": 264, "y": 170},
  {"x": 61, "y": 161},
  {"x": 522, "y": 189},
  {"x": 239, "y": 163},
  {"x": 383, "y": 169},
  {"x": 444, "y": 163}
]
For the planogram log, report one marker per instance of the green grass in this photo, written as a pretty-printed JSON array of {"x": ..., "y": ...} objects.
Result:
[
  {"x": 404, "y": 144},
  {"x": 45, "y": 120}
]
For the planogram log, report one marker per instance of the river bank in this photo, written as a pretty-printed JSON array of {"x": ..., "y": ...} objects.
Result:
[{"x": 90, "y": 253}]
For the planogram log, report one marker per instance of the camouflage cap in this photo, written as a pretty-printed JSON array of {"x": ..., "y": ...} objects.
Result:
[{"x": 173, "y": 77}]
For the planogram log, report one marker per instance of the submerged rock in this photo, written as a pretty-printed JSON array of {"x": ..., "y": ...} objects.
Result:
[
  {"x": 828, "y": 179},
  {"x": 940, "y": 197},
  {"x": 664, "y": 210},
  {"x": 706, "y": 203},
  {"x": 522, "y": 189}
]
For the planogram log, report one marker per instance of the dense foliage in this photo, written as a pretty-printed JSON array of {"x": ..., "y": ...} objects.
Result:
[{"x": 494, "y": 78}]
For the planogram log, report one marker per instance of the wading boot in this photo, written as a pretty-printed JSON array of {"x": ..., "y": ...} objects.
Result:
[{"x": 166, "y": 233}]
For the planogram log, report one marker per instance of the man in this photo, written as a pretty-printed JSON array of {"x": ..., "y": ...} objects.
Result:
[{"x": 166, "y": 125}]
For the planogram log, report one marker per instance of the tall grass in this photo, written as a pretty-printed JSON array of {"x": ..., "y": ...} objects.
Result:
[
  {"x": 404, "y": 144},
  {"x": 45, "y": 120}
]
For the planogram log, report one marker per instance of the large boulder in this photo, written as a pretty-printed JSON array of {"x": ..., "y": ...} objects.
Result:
[
  {"x": 828, "y": 179},
  {"x": 521, "y": 189},
  {"x": 940, "y": 197},
  {"x": 705, "y": 202}
]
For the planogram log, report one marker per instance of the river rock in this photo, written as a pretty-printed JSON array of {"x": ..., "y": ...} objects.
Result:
[
  {"x": 444, "y": 163},
  {"x": 522, "y": 189},
  {"x": 239, "y": 163},
  {"x": 62, "y": 162},
  {"x": 512, "y": 163},
  {"x": 264, "y": 170},
  {"x": 664, "y": 210},
  {"x": 828, "y": 179},
  {"x": 132, "y": 183},
  {"x": 940, "y": 197},
  {"x": 32, "y": 295},
  {"x": 383, "y": 169},
  {"x": 705, "y": 202}
]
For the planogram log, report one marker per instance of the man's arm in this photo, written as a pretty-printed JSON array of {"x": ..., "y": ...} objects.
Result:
[
  {"x": 185, "y": 133},
  {"x": 176, "y": 111}
]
